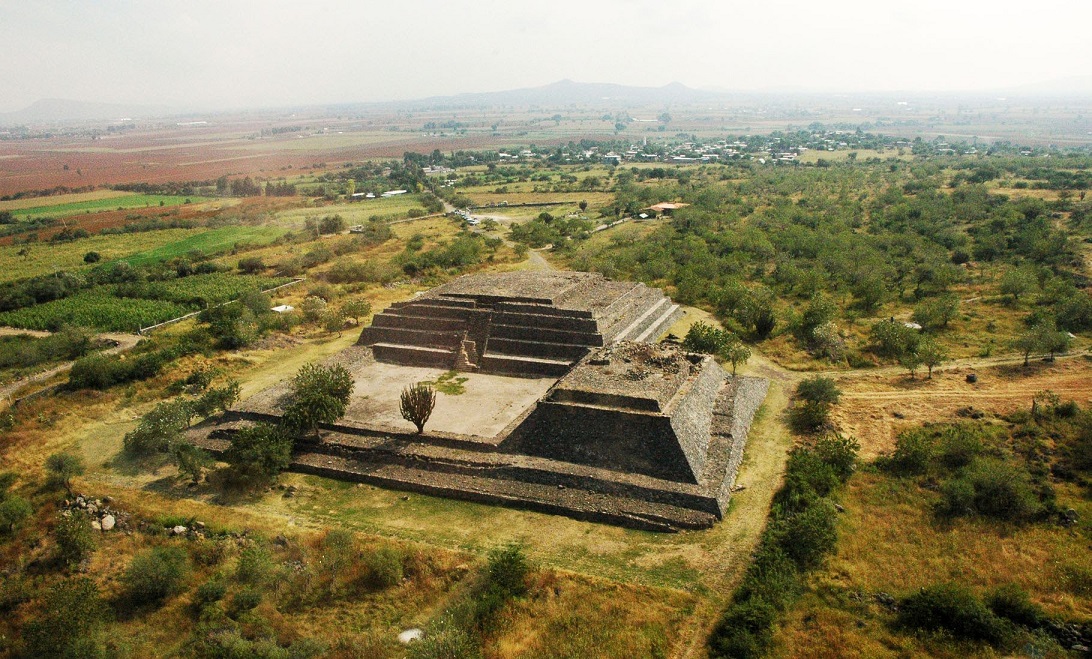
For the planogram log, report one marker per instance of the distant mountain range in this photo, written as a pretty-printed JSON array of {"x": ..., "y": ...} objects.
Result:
[
  {"x": 59, "y": 110},
  {"x": 568, "y": 92},
  {"x": 559, "y": 94}
]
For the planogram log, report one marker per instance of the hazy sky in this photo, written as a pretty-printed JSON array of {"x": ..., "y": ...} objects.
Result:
[{"x": 225, "y": 53}]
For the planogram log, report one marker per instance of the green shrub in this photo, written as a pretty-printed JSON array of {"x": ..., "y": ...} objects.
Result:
[
  {"x": 70, "y": 623},
  {"x": 156, "y": 574},
  {"x": 808, "y": 536},
  {"x": 1002, "y": 491},
  {"x": 950, "y": 608},
  {"x": 956, "y": 498},
  {"x": 819, "y": 389},
  {"x": 255, "y": 566},
  {"x": 744, "y": 632},
  {"x": 914, "y": 452},
  {"x": 807, "y": 478},
  {"x": 243, "y": 601},
  {"x": 772, "y": 577},
  {"x": 74, "y": 537},
  {"x": 385, "y": 567},
  {"x": 839, "y": 452},
  {"x": 508, "y": 570},
  {"x": 959, "y": 445},
  {"x": 1012, "y": 603},
  {"x": 210, "y": 591},
  {"x": 257, "y": 454},
  {"x": 809, "y": 417}
]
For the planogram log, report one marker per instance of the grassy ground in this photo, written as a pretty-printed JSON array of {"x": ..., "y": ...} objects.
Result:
[
  {"x": 107, "y": 203},
  {"x": 45, "y": 258},
  {"x": 75, "y": 198},
  {"x": 357, "y": 212},
  {"x": 208, "y": 242},
  {"x": 891, "y": 543}
]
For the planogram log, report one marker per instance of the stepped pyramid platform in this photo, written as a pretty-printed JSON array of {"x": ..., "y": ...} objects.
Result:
[
  {"x": 628, "y": 432},
  {"x": 517, "y": 323}
]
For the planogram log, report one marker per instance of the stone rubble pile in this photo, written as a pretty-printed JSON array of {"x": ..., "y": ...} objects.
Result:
[{"x": 104, "y": 517}]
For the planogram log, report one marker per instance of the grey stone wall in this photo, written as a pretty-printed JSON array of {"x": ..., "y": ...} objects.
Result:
[
  {"x": 620, "y": 440},
  {"x": 692, "y": 416}
]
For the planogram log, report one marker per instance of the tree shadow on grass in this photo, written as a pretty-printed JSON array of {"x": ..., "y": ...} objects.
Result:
[{"x": 129, "y": 464}]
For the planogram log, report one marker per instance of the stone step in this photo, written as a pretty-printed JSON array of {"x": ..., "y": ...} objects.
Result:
[
  {"x": 466, "y": 303},
  {"x": 546, "y": 349},
  {"x": 616, "y": 309},
  {"x": 433, "y": 311},
  {"x": 401, "y": 321},
  {"x": 577, "y": 503},
  {"x": 660, "y": 325},
  {"x": 523, "y": 366},
  {"x": 636, "y": 306},
  {"x": 531, "y": 333},
  {"x": 549, "y": 321},
  {"x": 642, "y": 322},
  {"x": 410, "y": 337},
  {"x": 541, "y": 309},
  {"x": 413, "y": 355}
]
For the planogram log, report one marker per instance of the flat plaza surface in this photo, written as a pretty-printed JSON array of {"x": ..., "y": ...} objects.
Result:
[{"x": 487, "y": 405}]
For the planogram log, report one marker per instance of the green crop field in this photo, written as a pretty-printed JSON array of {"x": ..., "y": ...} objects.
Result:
[
  {"x": 102, "y": 309},
  {"x": 108, "y": 204},
  {"x": 95, "y": 309},
  {"x": 216, "y": 287},
  {"x": 209, "y": 242}
]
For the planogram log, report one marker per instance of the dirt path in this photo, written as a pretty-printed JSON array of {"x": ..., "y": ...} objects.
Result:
[
  {"x": 537, "y": 261},
  {"x": 15, "y": 331},
  {"x": 124, "y": 342}
]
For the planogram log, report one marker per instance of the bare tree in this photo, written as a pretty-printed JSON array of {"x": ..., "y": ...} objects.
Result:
[{"x": 417, "y": 404}]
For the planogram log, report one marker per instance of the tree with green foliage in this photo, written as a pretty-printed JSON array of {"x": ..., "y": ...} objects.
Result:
[
  {"x": 416, "y": 404},
  {"x": 891, "y": 338},
  {"x": 704, "y": 338},
  {"x": 1017, "y": 282},
  {"x": 312, "y": 308},
  {"x": 333, "y": 321},
  {"x": 932, "y": 354},
  {"x": 815, "y": 396},
  {"x": 217, "y": 399},
  {"x": 320, "y": 394},
  {"x": 911, "y": 360},
  {"x": 160, "y": 429},
  {"x": 736, "y": 353},
  {"x": 820, "y": 311},
  {"x": 937, "y": 312},
  {"x": 1041, "y": 337},
  {"x": 357, "y": 309},
  {"x": 257, "y": 454},
  {"x": 61, "y": 468},
  {"x": 190, "y": 460},
  {"x": 14, "y": 509}
]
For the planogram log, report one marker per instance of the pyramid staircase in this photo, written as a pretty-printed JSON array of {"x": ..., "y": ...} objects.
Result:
[{"x": 517, "y": 335}]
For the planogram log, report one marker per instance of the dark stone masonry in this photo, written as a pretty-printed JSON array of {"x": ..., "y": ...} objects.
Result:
[
  {"x": 632, "y": 432},
  {"x": 517, "y": 323}
]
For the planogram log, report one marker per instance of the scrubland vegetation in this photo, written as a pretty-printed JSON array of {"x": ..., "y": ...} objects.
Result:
[{"x": 966, "y": 536}]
